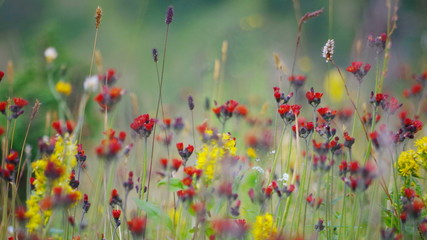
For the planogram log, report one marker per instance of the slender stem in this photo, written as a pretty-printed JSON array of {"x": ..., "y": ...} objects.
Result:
[
  {"x": 276, "y": 155},
  {"x": 158, "y": 106},
  {"x": 93, "y": 51},
  {"x": 193, "y": 127},
  {"x": 13, "y": 134},
  {"x": 351, "y": 100}
]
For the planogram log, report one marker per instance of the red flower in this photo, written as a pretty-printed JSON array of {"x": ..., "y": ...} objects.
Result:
[
  {"x": 190, "y": 148},
  {"x": 116, "y": 213},
  {"x": 354, "y": 167},
  {"x": 313, "y": 98},
  {"x": 109, "y": 97},
  {"x": 176, "y": 164},
  {"x": 225, "y": 111},
  {"x": 415, "y": 90},
  {"x": 358, "y": 71},
  {"x": 297, "y": 80},
  {"x": 409, "y": 193},
  {"x": 3, "y": 106},
  {"x": 143, "y": 125},
  {"x": 167, "y": 122},
  {"x": 180, "y": 146},
  {"x": 378, "y": 42},
  {"x": 20, "y": 213},
  {"x": 1, "y": 75},
  {"x": 185, "y": 153},
  {"x": 327, "y": 114},
  {"x": 289, "y": 112},
  {"x": 20, "y": 102},
  {"x": 164, "y": 162},
  {"x": 187, "y": 181},
  {"x": 241, "y": 110},
  {"x": 62, "y": 128},
  {"x": 355, "y": 66},
  {"x": 137, "y": 226},
  {"x": 53, "y": 171},
  {"x": 217, "y": 110}
]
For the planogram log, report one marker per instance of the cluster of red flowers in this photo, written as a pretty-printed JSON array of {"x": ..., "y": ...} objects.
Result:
[
  {"x": 177, "y": 124},
  {"x": 111, "y": 145},
  {"x": 327, "y": 113},
  {"x": 415, "y": 91},
  {"x": 360, "y": 177},
  {"x": 61, "y": 200},
  {"x": 137, "y": 226},
  {"x": 229, "y": 228},
  {"x": 297, "y": 80},
  {"x": 288, "y": 113},
  {"x": 62, "y": 128},
  {"x": 11, "y": 162},
  {"x": 378, "y": 42},
  {"x": 274, "y": 186},
  {"x": 174, "y": 165},
  {"x": 16, "y": 109},
  {"x": 313, "y": 202},
  {"x": 313, "y": 98},
  {"x": 358, "y": 71},
  {"x": 304, "y": 128},
  {"x": 225, "y": 111},
  {"x": 115, "y": 199},
  {"x": 412, "y": 206},
  {"x": 143, "y": 125},
  {"x": 407, "y": 129},
  {"x": 280, "y": 96},
  {"x": 185, "y": 153},
  {"x": 191, "y": 174},
  {"x": 108, "y": 96},
  {"x": 109, "y": 78}
]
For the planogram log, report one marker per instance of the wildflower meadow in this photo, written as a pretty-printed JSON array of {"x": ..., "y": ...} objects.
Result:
[{"x": 314, "y": 142}]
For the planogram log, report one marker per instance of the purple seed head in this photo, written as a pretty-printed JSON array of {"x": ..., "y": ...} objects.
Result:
[
  {"x": 169, "y": 15},
  {"x": 155, "y": 55},
  {"x": 190, "y": 102}
]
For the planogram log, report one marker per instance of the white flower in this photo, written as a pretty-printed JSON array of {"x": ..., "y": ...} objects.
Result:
[
  {"x": 284, "y": 179},
  {"x": 328, "y": 50},
  {"x": 259, "y": 169},
  {"x": 91, "y": 83},
  {"x": 50, "y": 54}
]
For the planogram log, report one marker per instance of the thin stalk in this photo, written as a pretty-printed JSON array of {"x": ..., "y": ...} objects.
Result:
[
  {"x": 158, "y": 106},
  {"x": 192, "y": 126},
  {"x": 276, "y": 155},
  {"x": 351, "y": 100},
  {"x": 13, "y": 134}
]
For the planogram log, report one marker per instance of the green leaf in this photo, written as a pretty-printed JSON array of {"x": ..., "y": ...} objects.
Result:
[
  {"x": 150, "y": 209},
  {"x": 154, "y": 212},
  {"x": 174, "y": 185}
]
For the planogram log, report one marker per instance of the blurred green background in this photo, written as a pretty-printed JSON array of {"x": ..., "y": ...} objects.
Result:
[{"x": 254, "y": 29}]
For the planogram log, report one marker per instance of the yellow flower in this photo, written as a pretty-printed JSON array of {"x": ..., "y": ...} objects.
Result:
[
  {"x": 251, "y": 153},
  {"x": 64, "y": 88},
  {"x": 214, "y": 151},
  {"x": 64, "y": 157},
  {"x": 421, "y": 145},
  {"x": 263, "y": 228},
  {"x": 408, "y": 164}
]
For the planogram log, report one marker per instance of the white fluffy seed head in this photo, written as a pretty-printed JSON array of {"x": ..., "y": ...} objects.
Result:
[
  {"x": 91, "y": 83},
  {"x": 328, "y": 50}
]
